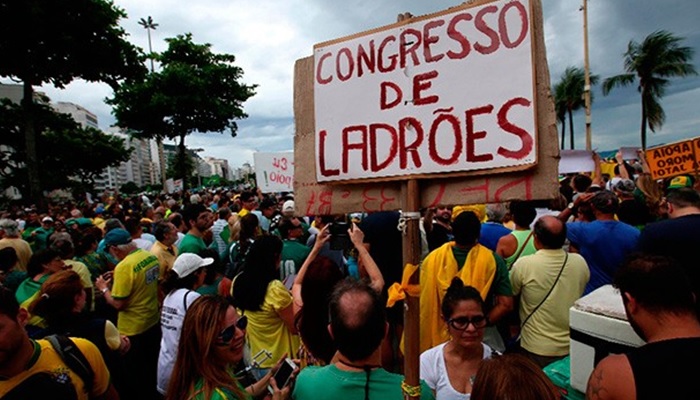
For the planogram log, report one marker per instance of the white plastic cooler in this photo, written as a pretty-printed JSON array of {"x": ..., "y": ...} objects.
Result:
[{"x": 598, "y": 326}]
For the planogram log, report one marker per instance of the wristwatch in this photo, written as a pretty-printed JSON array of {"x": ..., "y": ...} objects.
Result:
[
  {"x": 104, "y": 290},
  {"x": 570, "y": 206}
]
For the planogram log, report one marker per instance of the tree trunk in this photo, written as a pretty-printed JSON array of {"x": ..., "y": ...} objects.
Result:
[
  {"x": 182, "y": 166},
  {"x": 30, "y": 136},
  {"x": 563, "y": 131},
  {"x": 571, "y": 130}
]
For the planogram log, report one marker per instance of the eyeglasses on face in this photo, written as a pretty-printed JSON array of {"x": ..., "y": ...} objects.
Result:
[
  {"x": 227, "y": 334},
  {"x": 462, "y": 323}
]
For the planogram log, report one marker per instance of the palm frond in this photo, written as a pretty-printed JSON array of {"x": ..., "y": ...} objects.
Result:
[{"x": 617, "y": 81}]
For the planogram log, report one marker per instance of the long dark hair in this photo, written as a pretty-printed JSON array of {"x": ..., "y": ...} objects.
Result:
[
  {"x": 259, "y": 269},
  {"x": 312, "y": 320}
]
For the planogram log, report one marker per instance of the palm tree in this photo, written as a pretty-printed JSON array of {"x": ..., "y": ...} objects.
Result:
[
  {"x": 568, "y": 97},
  {"x": 659, "y": 57}
]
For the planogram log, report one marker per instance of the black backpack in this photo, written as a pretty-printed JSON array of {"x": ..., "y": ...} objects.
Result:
[{"x": 74, "y": 359}]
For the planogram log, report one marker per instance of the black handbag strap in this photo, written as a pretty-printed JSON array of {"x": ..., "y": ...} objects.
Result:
[{"x": 548, "y": 293}]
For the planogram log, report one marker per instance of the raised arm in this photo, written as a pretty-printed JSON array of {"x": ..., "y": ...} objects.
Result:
[
  {"x": 597, "y": 172},
  {"x": 376, "y": 280},
  {"x": 321, "y": 239}
]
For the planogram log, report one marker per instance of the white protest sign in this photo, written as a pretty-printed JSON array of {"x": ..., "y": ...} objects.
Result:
[
  {"x": 169, "y": 185},
  {"x": 274, "y": 172},
  {"x": 629, "y": 153},
  {"x": 444, "y": 93},
  {"x": 573, "y": 161}
]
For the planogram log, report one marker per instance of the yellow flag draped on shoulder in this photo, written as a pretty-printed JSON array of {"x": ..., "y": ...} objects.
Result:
[{"x": 437, "y": 271}]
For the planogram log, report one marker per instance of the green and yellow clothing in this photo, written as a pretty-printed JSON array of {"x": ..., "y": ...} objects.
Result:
[
  {"x": 217, "y": 394},
  {"x": 47, "y": 371},
  {"x": 136, "y": 280},
  {"x": 95, "y": 262},
  {"x": 478, "y": 267},
  {"x": 266, "y": 329}
]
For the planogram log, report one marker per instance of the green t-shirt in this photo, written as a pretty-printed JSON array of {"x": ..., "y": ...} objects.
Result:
[
  {"x": 330, "y": 383},
  {"x": 217, "y": 394},
  {"x": 293, "y": 256},
  {"x": 501, "y": 282},
  {"x": 191, "y": 244}
]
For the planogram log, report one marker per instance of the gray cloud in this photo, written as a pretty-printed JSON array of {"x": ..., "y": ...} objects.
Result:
[{"x": 268, "y": 36}]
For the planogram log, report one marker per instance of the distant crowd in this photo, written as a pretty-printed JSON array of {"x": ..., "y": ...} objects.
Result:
[{"x": 235, "y": 295}]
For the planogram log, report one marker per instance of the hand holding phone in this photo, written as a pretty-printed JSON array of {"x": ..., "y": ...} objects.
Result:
[{"x": 284, "y": 374}]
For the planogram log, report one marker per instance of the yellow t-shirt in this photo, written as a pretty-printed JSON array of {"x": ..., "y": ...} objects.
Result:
[
  {"x": 166, "y": 259},
  {"x": 23, "y": 250},
  {"x": 136, "y": 280},
  {"x": 82, "y": 270},
  {"x": 266, "y": 330},
  {"x": 50, "y": 371},
  {"x": 243, "y": 212}
]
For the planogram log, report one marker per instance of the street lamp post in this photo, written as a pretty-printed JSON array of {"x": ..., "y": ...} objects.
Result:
[
  {"x": 587, "y": 76},
  {"x": 148, "y": 24}
]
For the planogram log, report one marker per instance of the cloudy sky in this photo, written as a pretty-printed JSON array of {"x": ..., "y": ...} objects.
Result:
[{"x": 268, "y": 36}]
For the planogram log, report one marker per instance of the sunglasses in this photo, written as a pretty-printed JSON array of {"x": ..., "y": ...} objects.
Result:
[
  {"x": 462, "y": 323},
  {"x": 227, "y": 334}
]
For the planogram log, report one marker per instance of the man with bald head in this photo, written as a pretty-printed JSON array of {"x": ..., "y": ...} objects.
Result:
[
  {"x": 548, "y": 282},
  {"x": 357, "y": 325}
]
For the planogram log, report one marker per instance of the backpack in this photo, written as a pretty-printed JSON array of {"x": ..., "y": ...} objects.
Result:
[
  {"x": 236, "y": 263},
  {"x": 74, "y": 359}
]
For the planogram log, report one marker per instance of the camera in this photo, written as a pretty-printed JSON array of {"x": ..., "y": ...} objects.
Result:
[{"x": 340, "y": 240}]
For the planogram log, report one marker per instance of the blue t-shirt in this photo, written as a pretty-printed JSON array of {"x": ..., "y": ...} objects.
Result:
[
  {"x": 490, "y": 233},
  {"x": 604, "y": 245}
]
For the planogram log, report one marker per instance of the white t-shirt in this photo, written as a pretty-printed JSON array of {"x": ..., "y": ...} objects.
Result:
[
  {"x": 434, "y": 372},
  {"x": 171, "y": 318}
]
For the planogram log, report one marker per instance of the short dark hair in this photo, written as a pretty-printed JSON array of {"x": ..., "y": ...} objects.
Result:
[
  {"x": 684, "y": 197},
  {"x": 224, "y": 213},
  {"x": 268, "y": 202},
  {"x": 8, "y": 258},
  {"x": 605, "y": 202},
  {"x": 286, "y": 226},
  {"x": 191, "y": 212},
  {"x": 466, "y": 228},
  {"x": 162, "y": 228},
  {"x": 522, "y": 212},
  {"x": 657, "y": 283},
  {"x": 552, "y": 235},
  {"x": 359, "y": 330},
  {"x": 246, "y": 196},
  {"x": 459, "y": 292},
  {"x": 582, "y": 182},
  {"x": 39, "y": 259},
  {"x": 8, "y": 303},
  {"x": 132, "y": 225}
]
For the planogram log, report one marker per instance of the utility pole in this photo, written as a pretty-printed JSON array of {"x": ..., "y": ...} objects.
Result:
[
  {"x": 587, "y": 76},
  {"x": 148, "y": 24}
]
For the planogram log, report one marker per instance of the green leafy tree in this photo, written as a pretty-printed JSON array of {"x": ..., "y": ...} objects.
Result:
[
  {"x": 129, "y": 188},
  {"x": 56, "y": 42},
  {"x": 659, "y": 57},
  {"x": 568, "y": 97},
  {"x": 71, "y": 156},
  {"x": 179, "y": 167},
  {"x": 195, "y": 90}
]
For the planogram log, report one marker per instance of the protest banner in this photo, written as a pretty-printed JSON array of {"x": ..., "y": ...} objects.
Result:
[
  {"x": 573, "y": 161},
  {"x": 679, "y": 158},
  {"x": 523, "y": 179},
  {"x": 274, "y": 172},
  {"x": 448, "y": 92}
]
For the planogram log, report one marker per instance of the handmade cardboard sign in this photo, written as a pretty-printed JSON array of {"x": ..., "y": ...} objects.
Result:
[
  {"x": 438, "y": 94},
  {"x": 471, "y": 128},
  {"x": 573, "y": 161},
  {"x": 274, "y": 172},
  {"x": 679, "y": 158}
]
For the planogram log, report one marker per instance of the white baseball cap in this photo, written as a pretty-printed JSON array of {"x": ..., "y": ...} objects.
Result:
[
  {"x": 187, "y": 263},
  {"x": 288, "y": 206}
]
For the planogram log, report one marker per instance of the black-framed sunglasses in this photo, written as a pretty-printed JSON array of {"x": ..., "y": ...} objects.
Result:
[
  {"x": 227, "y": 334},
  {"x": 462, "y": 323}
]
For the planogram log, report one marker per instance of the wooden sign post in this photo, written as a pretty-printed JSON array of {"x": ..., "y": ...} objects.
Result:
[{"x": 458, "y": 100}]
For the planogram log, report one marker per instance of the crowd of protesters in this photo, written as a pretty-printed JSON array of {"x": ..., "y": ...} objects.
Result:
[{"x": 206, "y": 295}]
